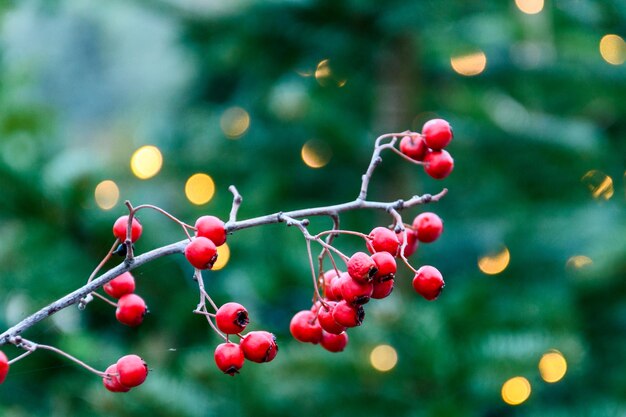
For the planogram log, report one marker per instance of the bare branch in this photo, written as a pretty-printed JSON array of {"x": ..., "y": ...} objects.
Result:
[{"x": 237, "y": 200}]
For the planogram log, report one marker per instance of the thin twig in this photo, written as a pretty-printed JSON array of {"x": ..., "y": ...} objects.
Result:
[{"x": 237, "y": 200}]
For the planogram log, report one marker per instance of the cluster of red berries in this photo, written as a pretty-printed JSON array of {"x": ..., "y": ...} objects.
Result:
[
  {"x": 201, "y": 252},
  {"x": 368, "y": 277},
  {"x": 428, "y": 147},
  {"x": 256, "y": 346},
  {"x": 128, "y": 372},
  {"x": 131, "y": 308}
]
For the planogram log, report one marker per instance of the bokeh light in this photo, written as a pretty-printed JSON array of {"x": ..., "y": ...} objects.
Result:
[
  {"x": 223, "y": 255},
  {"x": 529, "y": 6},
  {"x": 469, "y": 64},
  {"x": 323, "y": 72},
  {"x": 552, "y": 366},
  {"x": 383, "y": 358},
  {"x": 579, "y": 261},
  {"x": 495, "y": 263},
  {"x": 234, "y": 122},
  {"x": 516, "y": 390},
  {"x": 600, "y": 184},
  {"x": 316, "y": 153},
  {"x": 325, "y": 76},
  {"x": 199, "y": 188},
  {"x": 107, "y": 194},
  {"x": 613, "y": 49},
  {"x": 146, "y": 162}
]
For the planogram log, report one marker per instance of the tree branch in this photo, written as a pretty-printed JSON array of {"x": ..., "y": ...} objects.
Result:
[{"x": 131, "y": 262}]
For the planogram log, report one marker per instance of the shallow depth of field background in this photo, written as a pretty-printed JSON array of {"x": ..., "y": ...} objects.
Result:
[{"x": 103, "y": 101}]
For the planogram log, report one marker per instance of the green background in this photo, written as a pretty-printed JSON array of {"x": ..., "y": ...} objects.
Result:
[{"x": 83, "y": 84}]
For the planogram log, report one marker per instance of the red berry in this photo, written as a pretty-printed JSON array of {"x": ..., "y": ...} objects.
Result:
[
  {"x": 259, "y": 346},
  {"x": 355, "y": 292},
  {"x": 348, "y": 315},
  {"x": 112, "y": 382},
  {"x": 119, "y": 229},
  {"x": 212, "y": 228},
  {"x": 131, "y": 310},
  {"x": 120, "y": 285},
  {"x": 201, "y": 253},
  {"x": 438, "y": 164},
  {"x": 334, "y": 342},
  {"x": 382, "y": 289},
  {"x": 414, "y": 147},
  {"x": 411, "y": 242},
  {"x": 428, "y": 282},
  {"x": 229, "y": 358},
  {"x": 304, "y": 327},
  {"x": 428, "y": 227},
  {"x": 335, "y": 286},
  {"x": 132, "y": 370},
  {"x": 361, "y": 267},
  {"x": 437, "y": 133},
  {"x": 4, "y": 366},
  {"x": 231, "y": 318},
  {"x": 329, "y": 277},
  {"x": 326, "y": 320},
  {"x": 386, "y": 265},
  {"x": 316, "y": 306},
  {"x": 383, "y": 240}
]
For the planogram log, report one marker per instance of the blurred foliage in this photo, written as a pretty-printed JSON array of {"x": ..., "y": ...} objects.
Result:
[{"x": 83, "y": 84}]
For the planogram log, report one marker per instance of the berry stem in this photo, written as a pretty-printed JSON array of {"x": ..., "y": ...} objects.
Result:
[
  {"x": 329, "y": 240},
  {"x": 336, "y": 232},
  {"x": 103, "y": 298},
  {"x": 201, "y": 308},
  {"x": 103, "y": 261},
  {"x": 17, "y": 358},
  {"x": 31, "y": 346},
  {"x": 129, "y": 228},
  {"x": 182, "y": 224},
  {"x": 301, "y": 224}
]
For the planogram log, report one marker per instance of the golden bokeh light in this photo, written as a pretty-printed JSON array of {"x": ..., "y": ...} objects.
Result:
[
  {"x": 323, "y": 72},
  {"x": 552, "y": 366},
  {"x": 495, "y": 263},
  {"x": 223, "y": 255},
  {"x": 325, "y": 76},
  {"x": 107, "y": 194},
  {"x": 579, "y": 261},
  {"x": 613, "y": 49},
  {"x": 600, "y": 184},
  {"x": 146, "y": 162},
  {"x": 199, "y": 188},
  {"x": 383, "y": 358},
  {"x": 316, "y": 153},
  {"x": 516, "y": 390},
  {"x": 529, "y": 6},
  {"x": 469, "y": 64},
  {"x": 234, "y": 122}
]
